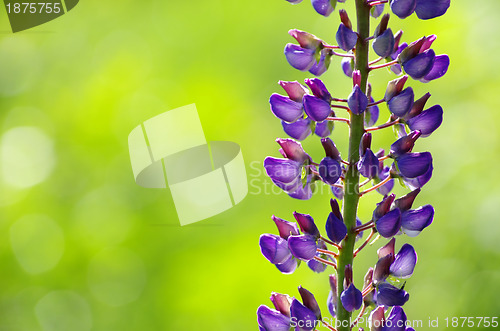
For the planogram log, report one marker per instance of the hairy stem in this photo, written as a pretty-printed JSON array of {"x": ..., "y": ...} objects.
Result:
[{"x": 351, "y": 198}]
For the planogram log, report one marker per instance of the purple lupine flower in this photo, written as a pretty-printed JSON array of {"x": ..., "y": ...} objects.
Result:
[
  {"x": 406, "y": 202},
  {"x": 383, "y": 207},
  {"x": 415, "y": 220},
  {"x": 402, "y": 102},
  {"x": 330, "y": 170},
  {"x": 347, "y": 66},
  {"x": 300, "y": 129},
  {"x": 371, "y": 114},
  {"x": 396, "y": 320},
  {"x": 323, "y": 64},
  {"x": 382, "y": 268},
  {"x": 303, "y": 247},
  {"x": 306, "y": 39},
  {"x": 439, "y": 68},
  {"x": 420, "y": 181},
  {"x": 377, "y": 10},
  {"x": 383, "y": 45},
  {"x": 403, "y": 8},
  {"x": 281, "y": 302},
  {"x": 289, "y": 266},
  {"x": 351, "y": 298},
  {"x": 389, "y": 224},
  {"x": 427, "y": 9},
  {"x": 331, "y": 302},
  {"x": 323, "y": 7},
  {"x": 300, "y": 58},
  {"x": 301, "y": 315},
  {"x": 419, "y": 61},
  {"x": 387, "y": 187},
  {"x": 317, "y": 109},
  {"x": 346, "y": 38},
  {"x": 404, "y": 262},
  {"x": 304, "y": 192},
  {"x": 330, "y": 149},
  {"x": 272, "y": 320},
  {"x": 274, "y": 248},
  {"x": 318, "y": 89},
  {"x": 306, "y": 224},
  {"x": 419, "y": 66},
  {"x": 357, "y": 100},
  {"x": 390, "y": 295},
  {"x": 368, "y": 166},
  {"x": 294, "y": 90},
  {"x": 323, "y": 129},
  {"x": 285, "y": 228},
  {"x": 285, "y": 108},
  {"x": 310, "y": 301},
  {"x": 427, "y": 121},
  {"x": 413, "y": 165},
  {"x": 335, "y": 227},
  {"x": 404, "y": 144}
]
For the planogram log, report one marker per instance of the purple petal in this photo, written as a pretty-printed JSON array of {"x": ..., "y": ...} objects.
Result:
[
  {"x": 387, "y": 187},
  {"x": 405, "y": 202},
  {"x": 272, "y": 320},
  {"x": 317, "y": 109},
  {"x": 274, "y": 248},
  {"x": 389, "y": 295},
  {"x": 377, "y": 10},
  {"x": 316, "y": 266},
  {"x": 346, "y": 38},
  {"x": 439, "y": 69},
  {"x": 302, "y": 316},
  {"x": 369, "y": 165},
  {"x": 383, "y": 45},
  {"x": 307, "y": 225},
  {"x": 319, "y": 89},
  {"x": 347, "y": 66},
  {"x": 302, "y": 193},
  {"x": 352, "y": 298},
  {"x": 285, "y": 228},
  {"x": 401, "y": 104},
  {"x": 420, "y": 181},
  {"x": 389, "y": 224},
  {"x": 412, "y": 165},
  {"x": 428, "y": 120},
  {"x": 302, "y": 247},
  {"x": 338, "y": 192},
  {"x": 323, "y": 64},
  {"x": 299, "y": 58},
  {"x": 396, "y": 320},
  {"x": 322, "y": 7},
  {"x": 357, "y": 101},
  {"x": 404, "y": 144},
  {"x": 415, "y": 220},
  {"x": 288, "y": 267},
  {"x": 284, "y": 108},
  {"x": 281, "y": 302},
  {"x": 299, "y": 129},
  {"x": 371, "y": 115},
  {"x": 309, "y": 301},
  {"x": 419, "y": 66},
  {"x": 323, "y": 129},
  {"x": 282, "y": 170},
  {"x": 382, "y": 268},
  {"x": 427, "y": 9},
  {"x": 293, "y": 150},
  {"x": 331, "y": 304},
  {"x": 335, "y": 228},
  {"x": 294, "y": 90},
  {"x": 405, "y": 262},
  {"x": 403, "y": 8},
  {"x": 329, "y": 170},
  {"x": 383, "y": 207}
]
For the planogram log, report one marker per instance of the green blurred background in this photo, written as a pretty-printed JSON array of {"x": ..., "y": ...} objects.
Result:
[{"x": 82, "y": 247}]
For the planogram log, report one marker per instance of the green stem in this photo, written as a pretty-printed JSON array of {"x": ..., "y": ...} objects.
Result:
[{"x": 351, "y": 198}]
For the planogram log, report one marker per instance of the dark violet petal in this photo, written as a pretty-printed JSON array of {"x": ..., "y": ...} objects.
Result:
[
  {"x": 323, "y": 129},
  {"x": 412, "y": 165},
  {"x": 299, "y": 129},
  {"x": 316, "y": 266},
  {"x": 415, "y": 220},
  {"x": 439, "y": 69},
  {"x": 346, "y": 38},
  {"x": 322, "y": 7},
  {"x": 310, "y": 302},
  {"x": 335, "y": 228},
  {"x": 427, "y": 121},
  {"x": 404, "y": 144},
  {"x": 288, "y": 187},
  {"x": 281, "y": 302},
  {"x": 420, "y": 181},
  {"x": 357, "y": 101},
  {"x": 377, "y": 10},
  {"x": 282, "y": 170},
  {"x": 284, "y": 108},
  {"x": 401, "y": 104},
  {"x": 285, "y": 228},
  {"x": 403, "y": 8},
  {"x": 405, "y": 202},
  {"x": 387, "y": 187},
  {"x": 396, "y": 320},
  {"x": 274, "y": 248},
  {"x": 272, "y": 320},
  {"x": 330, "y": 149},
  {"x": 319, "y": 89},
  {"x": 330, "y": 170},
  {"x": 389, "y": 224},
  {"x": 383, "y": 207},
  {"x": 317, "y": 109},
  {"x": 369, "y": 165},
  {"x": 307, "y": 225},
  {"x": 405, "y": 262},
  {"x": 387, "y": 249},
  {"x": 383, "y": 45},
  {"x": 299, "y": 58},
  {"x": 338, "y": 192},
  {"x": 427, "y": 9},
  {"x": 371, "y": 115},
  {"x": 322, "y": 66},
  {"x": 293, "y": 150},
  {"x": 294, "y": 90},
  {"x": 382, "y": 268},
  {"x": 302, "y": 247},
  {"x": 331, "y": 304},
  {"x": 302, "y": 193},
  {"x": 419, "y": 66},
  {"x": 389, "y": 295},
  {"x": 352, "y": 298},
  {"x": 347, "y": 66},
  {"x": 289, "y": 266}
]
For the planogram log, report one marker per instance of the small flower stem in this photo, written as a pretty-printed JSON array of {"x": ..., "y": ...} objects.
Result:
[
  {"x": 361, "y": 313},
  {"x": 365, "y": 243},
  {"x": 327, "y": 252},
  {"x": 376, "y": 61},
  {"x": 342, "y": 55},
  {"x": 367, "y": 290},
  {"x": 330, "y": 242},
  {"x": 339, "y": 100},
  {"x": 365, "y": 182},
  {"x": 383, "y": 158},
  {"x": 345, "y": 162},
  {"x": 332, "y": 264},
  {"x": 328, "y": 326},
  {"x": 373, "y": 188},
  {"x": 376, "y": 2},
  {"x": 364, "y": 227},
  {"x": 338, "y": 119},
  {"x": 388, "y": 64},
  {"x": 376, "y": 103},
  {"x": 341, "y": 107},
  {"x": 356, "y": 131},
  {"x": 383, "y": 126}
]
